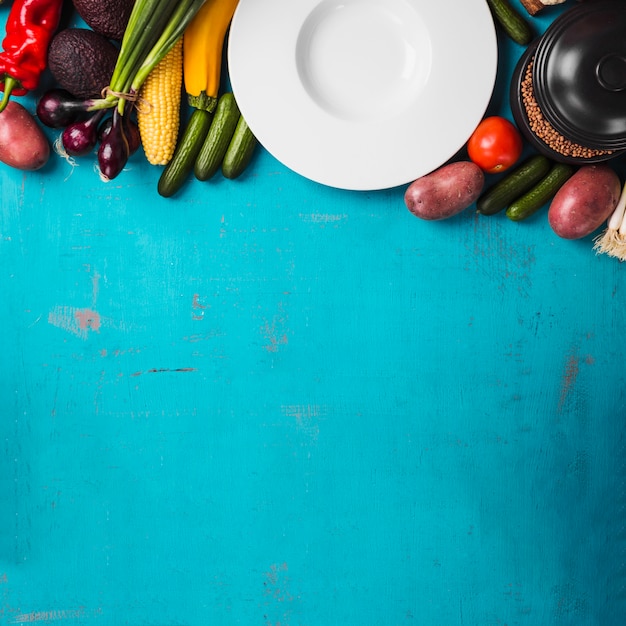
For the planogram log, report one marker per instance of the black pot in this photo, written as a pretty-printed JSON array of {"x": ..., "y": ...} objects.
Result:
[{"x": 579, "y": 80}]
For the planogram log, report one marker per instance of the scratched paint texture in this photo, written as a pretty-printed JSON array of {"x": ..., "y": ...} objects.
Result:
[{"x": 268, "y": 402}]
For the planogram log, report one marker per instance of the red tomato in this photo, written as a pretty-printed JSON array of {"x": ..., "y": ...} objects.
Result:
[{"x": 495, "y": 145}]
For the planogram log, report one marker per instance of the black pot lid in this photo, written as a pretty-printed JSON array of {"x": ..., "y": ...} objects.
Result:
[{"x": 579, "y": 74}]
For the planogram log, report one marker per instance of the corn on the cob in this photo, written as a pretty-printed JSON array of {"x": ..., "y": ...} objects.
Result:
[{"x": 158, "y": 108}]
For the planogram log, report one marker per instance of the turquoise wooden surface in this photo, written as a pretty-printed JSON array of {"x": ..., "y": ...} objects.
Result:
[{"x": 271, "y": 402}]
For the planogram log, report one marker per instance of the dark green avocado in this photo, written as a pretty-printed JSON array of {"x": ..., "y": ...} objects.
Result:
[
  {"x": 106, "y": 17},
  {"x": 82, "y": 61}
]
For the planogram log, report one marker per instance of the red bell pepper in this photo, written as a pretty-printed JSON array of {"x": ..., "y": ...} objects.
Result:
[{"x": 30, "y": 27}]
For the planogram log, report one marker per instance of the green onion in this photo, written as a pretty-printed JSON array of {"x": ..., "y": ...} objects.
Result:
[
  {"x": 613, "y": 240},
  {"x": 139, "y": 42},
  {"x": 183, "y": 13},
  {"x": 153, "y": 28}
]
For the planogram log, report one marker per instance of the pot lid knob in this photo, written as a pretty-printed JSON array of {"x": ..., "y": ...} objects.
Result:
[{"x": 611, "y": 72}]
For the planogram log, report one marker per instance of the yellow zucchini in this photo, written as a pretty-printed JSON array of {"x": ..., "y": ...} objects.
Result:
[{"x": 203, "y": 43}]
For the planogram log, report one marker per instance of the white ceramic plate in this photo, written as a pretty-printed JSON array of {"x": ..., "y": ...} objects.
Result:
[{"x": 362, "y": 94}]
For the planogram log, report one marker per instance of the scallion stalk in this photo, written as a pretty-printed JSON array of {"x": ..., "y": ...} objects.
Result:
[
  {"x": 613, "y": 240},
  {"x": 156, "y": 15},
  {"x": 132, "y": 33},
  {"x": 180, "y": 18},
  {"x": 153, "y": 28}
]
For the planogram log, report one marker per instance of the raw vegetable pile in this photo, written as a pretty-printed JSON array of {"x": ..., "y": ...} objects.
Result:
[
  {"x": 121, "y": 82},
  {"x": 133, "y": 101},
  {"x": 580, "y": 198}
]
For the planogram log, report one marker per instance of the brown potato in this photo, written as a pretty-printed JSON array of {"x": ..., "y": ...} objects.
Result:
[
  {"x": 446, "y": 191},
  {"x": 23, "y": 144},
  {"x": 584, "y": 202}
]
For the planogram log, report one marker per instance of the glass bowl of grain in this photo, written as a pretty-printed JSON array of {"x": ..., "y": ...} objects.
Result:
[{"x": 568, "y": 91}]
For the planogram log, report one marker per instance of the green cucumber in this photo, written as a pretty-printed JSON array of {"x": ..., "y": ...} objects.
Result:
[
  {"x": 513, "y": 185},
  {"x": 178, "y": 169},
  {"x": 218, "y": 138},
  {"x": 511, "y": 21},
  {"x": 239, "y": 151},
  {"x": 541, "y": 193}
]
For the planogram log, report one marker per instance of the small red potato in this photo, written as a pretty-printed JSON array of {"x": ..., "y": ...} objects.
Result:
[
  {"x": 445, "y": 192},
  {"x": 23, "y": 144},
  {"x": 584, "y": 202}
]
